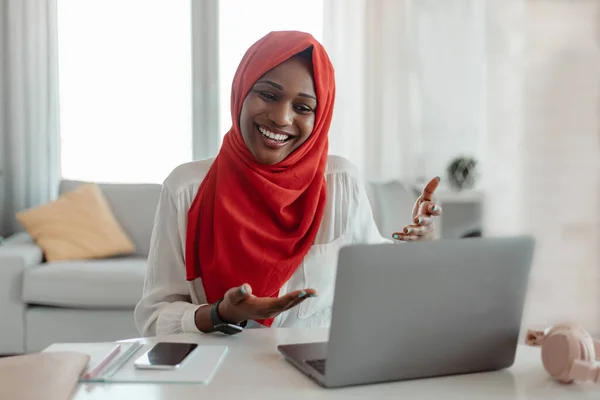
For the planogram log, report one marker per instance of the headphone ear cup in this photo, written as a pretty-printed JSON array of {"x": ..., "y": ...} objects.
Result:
[{"x": 561, "y": 347}]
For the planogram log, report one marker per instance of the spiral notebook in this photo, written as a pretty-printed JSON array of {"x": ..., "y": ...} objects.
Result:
[{"x": 109, "y": 365}]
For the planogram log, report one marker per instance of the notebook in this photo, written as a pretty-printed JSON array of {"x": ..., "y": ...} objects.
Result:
[
  {"x": 105, "y": 358},
  {"x": 48, "y": 376},
  {"x": 200, "y": 368}
]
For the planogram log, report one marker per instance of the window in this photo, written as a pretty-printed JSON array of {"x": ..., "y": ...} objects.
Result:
[
  {"x": 242, "y": 23},
  {"x": 125, "y": 79},
  {"x": 125, "y": 87}
]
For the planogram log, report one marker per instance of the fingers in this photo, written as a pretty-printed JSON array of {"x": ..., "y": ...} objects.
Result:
[
  {"x": 428, "y": 208},
  {"x": 288, "y": 301},
  {"x": 267, "y": 307},
  {"x": 238, "y": 294},
  {"x": 275, "y": 306},
  {"x": 434, "y": 209},
  {"x": 404, "y": 237},
  {"x": 422, "y": 228},
  {"x": 423, "y": 220},
  {"x": 429, "y": 189},
  {"x": 241, "y": 304},
  {"x": 407, "y": 237},
  {"x": 295, "y": 303},
  {"x": 413, "y": 231}
]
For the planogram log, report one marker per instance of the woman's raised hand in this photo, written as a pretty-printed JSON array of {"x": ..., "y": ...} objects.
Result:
[
  {"x": 239, "y": 304},
  {"x": 422, "y": 226}
]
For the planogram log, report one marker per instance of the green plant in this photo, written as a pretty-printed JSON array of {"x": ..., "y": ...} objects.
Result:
[{"x": 462, "y": 172}]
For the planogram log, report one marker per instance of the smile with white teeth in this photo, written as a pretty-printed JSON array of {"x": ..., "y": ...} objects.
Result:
[{"x": 273, "y": 136}]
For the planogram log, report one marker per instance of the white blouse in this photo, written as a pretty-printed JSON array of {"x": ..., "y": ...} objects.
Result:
[{"x": 169, "y": 301}]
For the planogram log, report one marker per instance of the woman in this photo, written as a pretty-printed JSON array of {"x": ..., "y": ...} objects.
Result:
[{"x": 253, "y": 234}]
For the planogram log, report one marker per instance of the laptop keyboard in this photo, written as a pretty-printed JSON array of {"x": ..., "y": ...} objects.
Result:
[{"x": 318, "y": 365}]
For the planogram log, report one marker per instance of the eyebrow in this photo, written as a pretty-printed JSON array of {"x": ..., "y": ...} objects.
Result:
[{"x": 278, "y": 86}]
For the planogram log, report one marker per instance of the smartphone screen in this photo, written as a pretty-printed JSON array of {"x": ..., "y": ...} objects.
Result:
[{"x": 165, "y": 355}]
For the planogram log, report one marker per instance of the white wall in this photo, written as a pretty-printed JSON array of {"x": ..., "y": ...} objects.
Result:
[{"x": 542, "y": 174}]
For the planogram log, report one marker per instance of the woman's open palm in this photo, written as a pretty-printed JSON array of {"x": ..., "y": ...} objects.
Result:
[{"x": 239, "y": 304}]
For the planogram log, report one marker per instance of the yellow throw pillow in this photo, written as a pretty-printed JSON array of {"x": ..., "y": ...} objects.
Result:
[{"x": 79, "y": 225}]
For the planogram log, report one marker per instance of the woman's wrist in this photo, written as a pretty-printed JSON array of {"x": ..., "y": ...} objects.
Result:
[
  {"x": 225, "y": 314},
  {"x": 202, "y": 318}
]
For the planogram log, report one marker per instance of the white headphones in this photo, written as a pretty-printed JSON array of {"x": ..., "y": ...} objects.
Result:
[{"x": 568, "y": 352}]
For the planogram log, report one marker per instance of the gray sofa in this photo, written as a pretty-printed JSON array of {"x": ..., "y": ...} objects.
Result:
[
  {"x": 76, "y": 301},
  {"x": 43, "y": 303}
]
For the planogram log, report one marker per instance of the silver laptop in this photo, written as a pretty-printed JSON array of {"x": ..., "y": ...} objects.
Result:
[{"x": 421, "y": 310}]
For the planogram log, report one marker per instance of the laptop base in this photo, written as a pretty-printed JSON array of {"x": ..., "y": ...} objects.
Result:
[{"x": 302, "y": 355}]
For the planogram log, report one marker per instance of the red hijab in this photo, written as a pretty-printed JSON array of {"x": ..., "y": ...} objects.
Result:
[{"x": 254, "y": 223}]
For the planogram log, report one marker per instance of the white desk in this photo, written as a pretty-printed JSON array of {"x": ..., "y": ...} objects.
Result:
[{"x": 254, "y": 369}]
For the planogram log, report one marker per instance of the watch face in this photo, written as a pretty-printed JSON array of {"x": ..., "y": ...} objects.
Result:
[{"x": 229, "y": 329}]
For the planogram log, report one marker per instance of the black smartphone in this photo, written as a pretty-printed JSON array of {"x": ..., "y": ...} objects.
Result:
[{"x": 165, "y": 355}]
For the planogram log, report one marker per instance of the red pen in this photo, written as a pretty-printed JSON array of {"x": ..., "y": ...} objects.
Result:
[{"x": 111, "y": 355}]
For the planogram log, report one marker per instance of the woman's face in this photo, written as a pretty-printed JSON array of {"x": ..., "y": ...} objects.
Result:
[{"x": 278, "y": 114}]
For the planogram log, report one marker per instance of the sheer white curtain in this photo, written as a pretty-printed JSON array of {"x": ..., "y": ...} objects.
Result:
[
  {"x": 411, "y": 84},
  {"x": 369, "y": 45},
  {"x": 29, "y": 140}
]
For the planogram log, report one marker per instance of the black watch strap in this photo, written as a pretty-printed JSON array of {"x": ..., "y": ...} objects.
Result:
[{"x": 221, "y": 325}]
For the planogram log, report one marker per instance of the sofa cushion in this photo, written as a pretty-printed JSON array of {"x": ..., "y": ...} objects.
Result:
[
  {"x": 110, "y": 283},
  {"x": 132, "y": 204},
  {"x": 78, "y": 225}
]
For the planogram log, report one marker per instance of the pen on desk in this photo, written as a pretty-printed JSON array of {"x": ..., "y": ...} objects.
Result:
[
  {"x": 124, "y": 358},
  {"x": 94, "y": 372}
]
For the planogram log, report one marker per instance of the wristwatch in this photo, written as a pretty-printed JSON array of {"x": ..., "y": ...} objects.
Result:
[{"x": 219, "y": 325}]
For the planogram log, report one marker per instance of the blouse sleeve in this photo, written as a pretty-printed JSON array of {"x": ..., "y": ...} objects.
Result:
[{"x": 165, "y": 307}]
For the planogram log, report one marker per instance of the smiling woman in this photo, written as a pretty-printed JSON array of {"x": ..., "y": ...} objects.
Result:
[
  {"x": 238, "y": 30},
  {"x": 278, "y": 115},
  {"x": 253, "y": 234}
]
